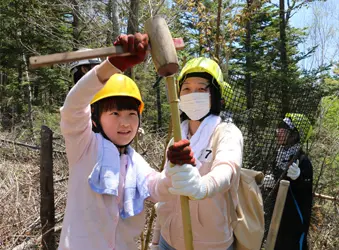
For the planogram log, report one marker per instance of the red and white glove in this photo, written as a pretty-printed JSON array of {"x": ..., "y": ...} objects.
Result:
[
  {"x": 136, "y": 44},
  {"x": 181, "y": 153},
  {"x": 294, "y": 171},
  {"x": 187, "y": 181}
]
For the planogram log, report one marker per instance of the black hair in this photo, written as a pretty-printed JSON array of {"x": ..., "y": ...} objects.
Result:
[
  {"x": 115, "y": 102},
  {"x": 283, "y": 125},
  {"x": 78, "y": 74},
  {"x": 214, "y": 91},
  {"x": 119, "y": 103}
]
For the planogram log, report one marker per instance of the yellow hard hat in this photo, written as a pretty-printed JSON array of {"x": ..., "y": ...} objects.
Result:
[
  {"x": 119, "y": 85},
  {"x": 302, "y": 124},
  {"x": 202, "y": 64}
]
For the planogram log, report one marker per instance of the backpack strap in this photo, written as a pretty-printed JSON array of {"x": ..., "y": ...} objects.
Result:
[
  {"x": 231, "y": 209},
  {"x": 228, "y": 197}
]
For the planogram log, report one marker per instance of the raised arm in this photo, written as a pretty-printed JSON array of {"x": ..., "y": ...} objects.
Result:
[{"x": 76, "y": 125}]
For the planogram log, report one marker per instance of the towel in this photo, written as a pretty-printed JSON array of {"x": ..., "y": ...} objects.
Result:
[
  {"x": 106, "y": 177},
  {"x": 201, "y": 138},
  {"x": 285, "y": 154}
]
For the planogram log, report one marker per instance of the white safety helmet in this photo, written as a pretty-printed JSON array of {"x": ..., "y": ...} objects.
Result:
[{"x": 74, "y": 65}]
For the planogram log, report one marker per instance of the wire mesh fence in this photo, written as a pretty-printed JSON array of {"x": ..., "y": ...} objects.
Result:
[{"x": 258, "y": 110}]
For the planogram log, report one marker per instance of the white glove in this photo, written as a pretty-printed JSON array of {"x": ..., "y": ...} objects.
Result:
[
  {"x": 294, "y": 171},
  {"x": 154, "y": 247},
  {"x": 187, "y": 181}
]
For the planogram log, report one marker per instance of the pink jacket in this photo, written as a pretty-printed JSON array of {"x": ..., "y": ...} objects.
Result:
[
  {"x": 92, "y": 220},
  {"x": 210, "y": 221}
]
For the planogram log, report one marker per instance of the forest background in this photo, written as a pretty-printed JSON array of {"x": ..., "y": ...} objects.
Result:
[{"x": 273, "y": 63}]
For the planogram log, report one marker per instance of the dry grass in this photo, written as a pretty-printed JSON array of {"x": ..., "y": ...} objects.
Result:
[
  {"x": 20, "y": 190},
  {"x": 20, "y": 196},
  {"x": 324, "y": 229}
]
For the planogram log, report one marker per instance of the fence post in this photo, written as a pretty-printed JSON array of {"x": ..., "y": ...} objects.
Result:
[{"x": 47, "y": 211}]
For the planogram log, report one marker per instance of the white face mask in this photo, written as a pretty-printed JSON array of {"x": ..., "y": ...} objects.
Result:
[{"x": 195, "y": 105}]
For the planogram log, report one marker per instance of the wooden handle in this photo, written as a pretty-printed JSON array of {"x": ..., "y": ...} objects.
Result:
[
  {"x": 277, "y": 213},
  {"x": 175, "y": 116},
  {"x": 45, "y": 60}
]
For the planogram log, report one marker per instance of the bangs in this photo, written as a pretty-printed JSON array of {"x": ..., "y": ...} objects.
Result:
[
  {"x": 119, "y": 103},
  {"x": 196, "y": 74}
]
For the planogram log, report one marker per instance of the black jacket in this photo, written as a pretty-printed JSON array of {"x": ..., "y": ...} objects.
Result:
[{"x": 296, "y": 216}]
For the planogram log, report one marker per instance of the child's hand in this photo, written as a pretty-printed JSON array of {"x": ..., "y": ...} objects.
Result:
[
  {"x": 187, "y": 181},
  {"x": 181, "y": 153},
  {"x": 136, "y": 44}
]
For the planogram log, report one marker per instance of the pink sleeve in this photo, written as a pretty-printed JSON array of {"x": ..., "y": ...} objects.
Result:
[
  {"x": 160, "y": 182},
  {"x": 76, "y": 125},
  {"x": 158, "y": 186},
  {"x": 225, "y": 171}
]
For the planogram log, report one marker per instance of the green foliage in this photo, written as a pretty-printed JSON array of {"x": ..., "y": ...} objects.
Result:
[{"x": 324, "y": 150}]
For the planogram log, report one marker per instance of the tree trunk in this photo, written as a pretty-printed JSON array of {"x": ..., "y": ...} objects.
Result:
[
  {"x": 217, "y": 36},
  {"x": 75, "y": 25},
  {"x": 133, "y": 19},
  {"x": 200, "y": 32},
  {"x": 17, "y": 107},
  {"x": 248, "y": 58},
  {"x": 283, "y": 53},
  {"x": 3, "y": 107},
  {"x": 283, "y": 59},
  {"x": 113, "y": 16},
  {"x": 28, "y": 96},
  {"x": 133, "y": 26}
]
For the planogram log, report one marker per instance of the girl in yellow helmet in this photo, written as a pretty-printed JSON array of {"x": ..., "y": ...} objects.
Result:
[
  {"x": 215, "y": 168},
  {"x": 108, "y": 180}
]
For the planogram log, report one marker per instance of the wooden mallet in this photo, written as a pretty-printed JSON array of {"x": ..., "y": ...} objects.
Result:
[
  {"x": 166, "y": 63},
  {"x": 65, "y": 57}
]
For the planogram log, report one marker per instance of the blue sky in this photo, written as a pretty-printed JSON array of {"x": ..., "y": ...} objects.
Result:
[{"x": 326, "y": 14}]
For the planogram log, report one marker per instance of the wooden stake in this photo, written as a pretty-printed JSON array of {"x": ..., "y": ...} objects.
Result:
[
  {"x": 277, "y": 213},
  {"x": 47, "y": 208}
]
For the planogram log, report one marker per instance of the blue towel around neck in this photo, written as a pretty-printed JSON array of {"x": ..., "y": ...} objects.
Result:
[{"x": 104, "y": 178}]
